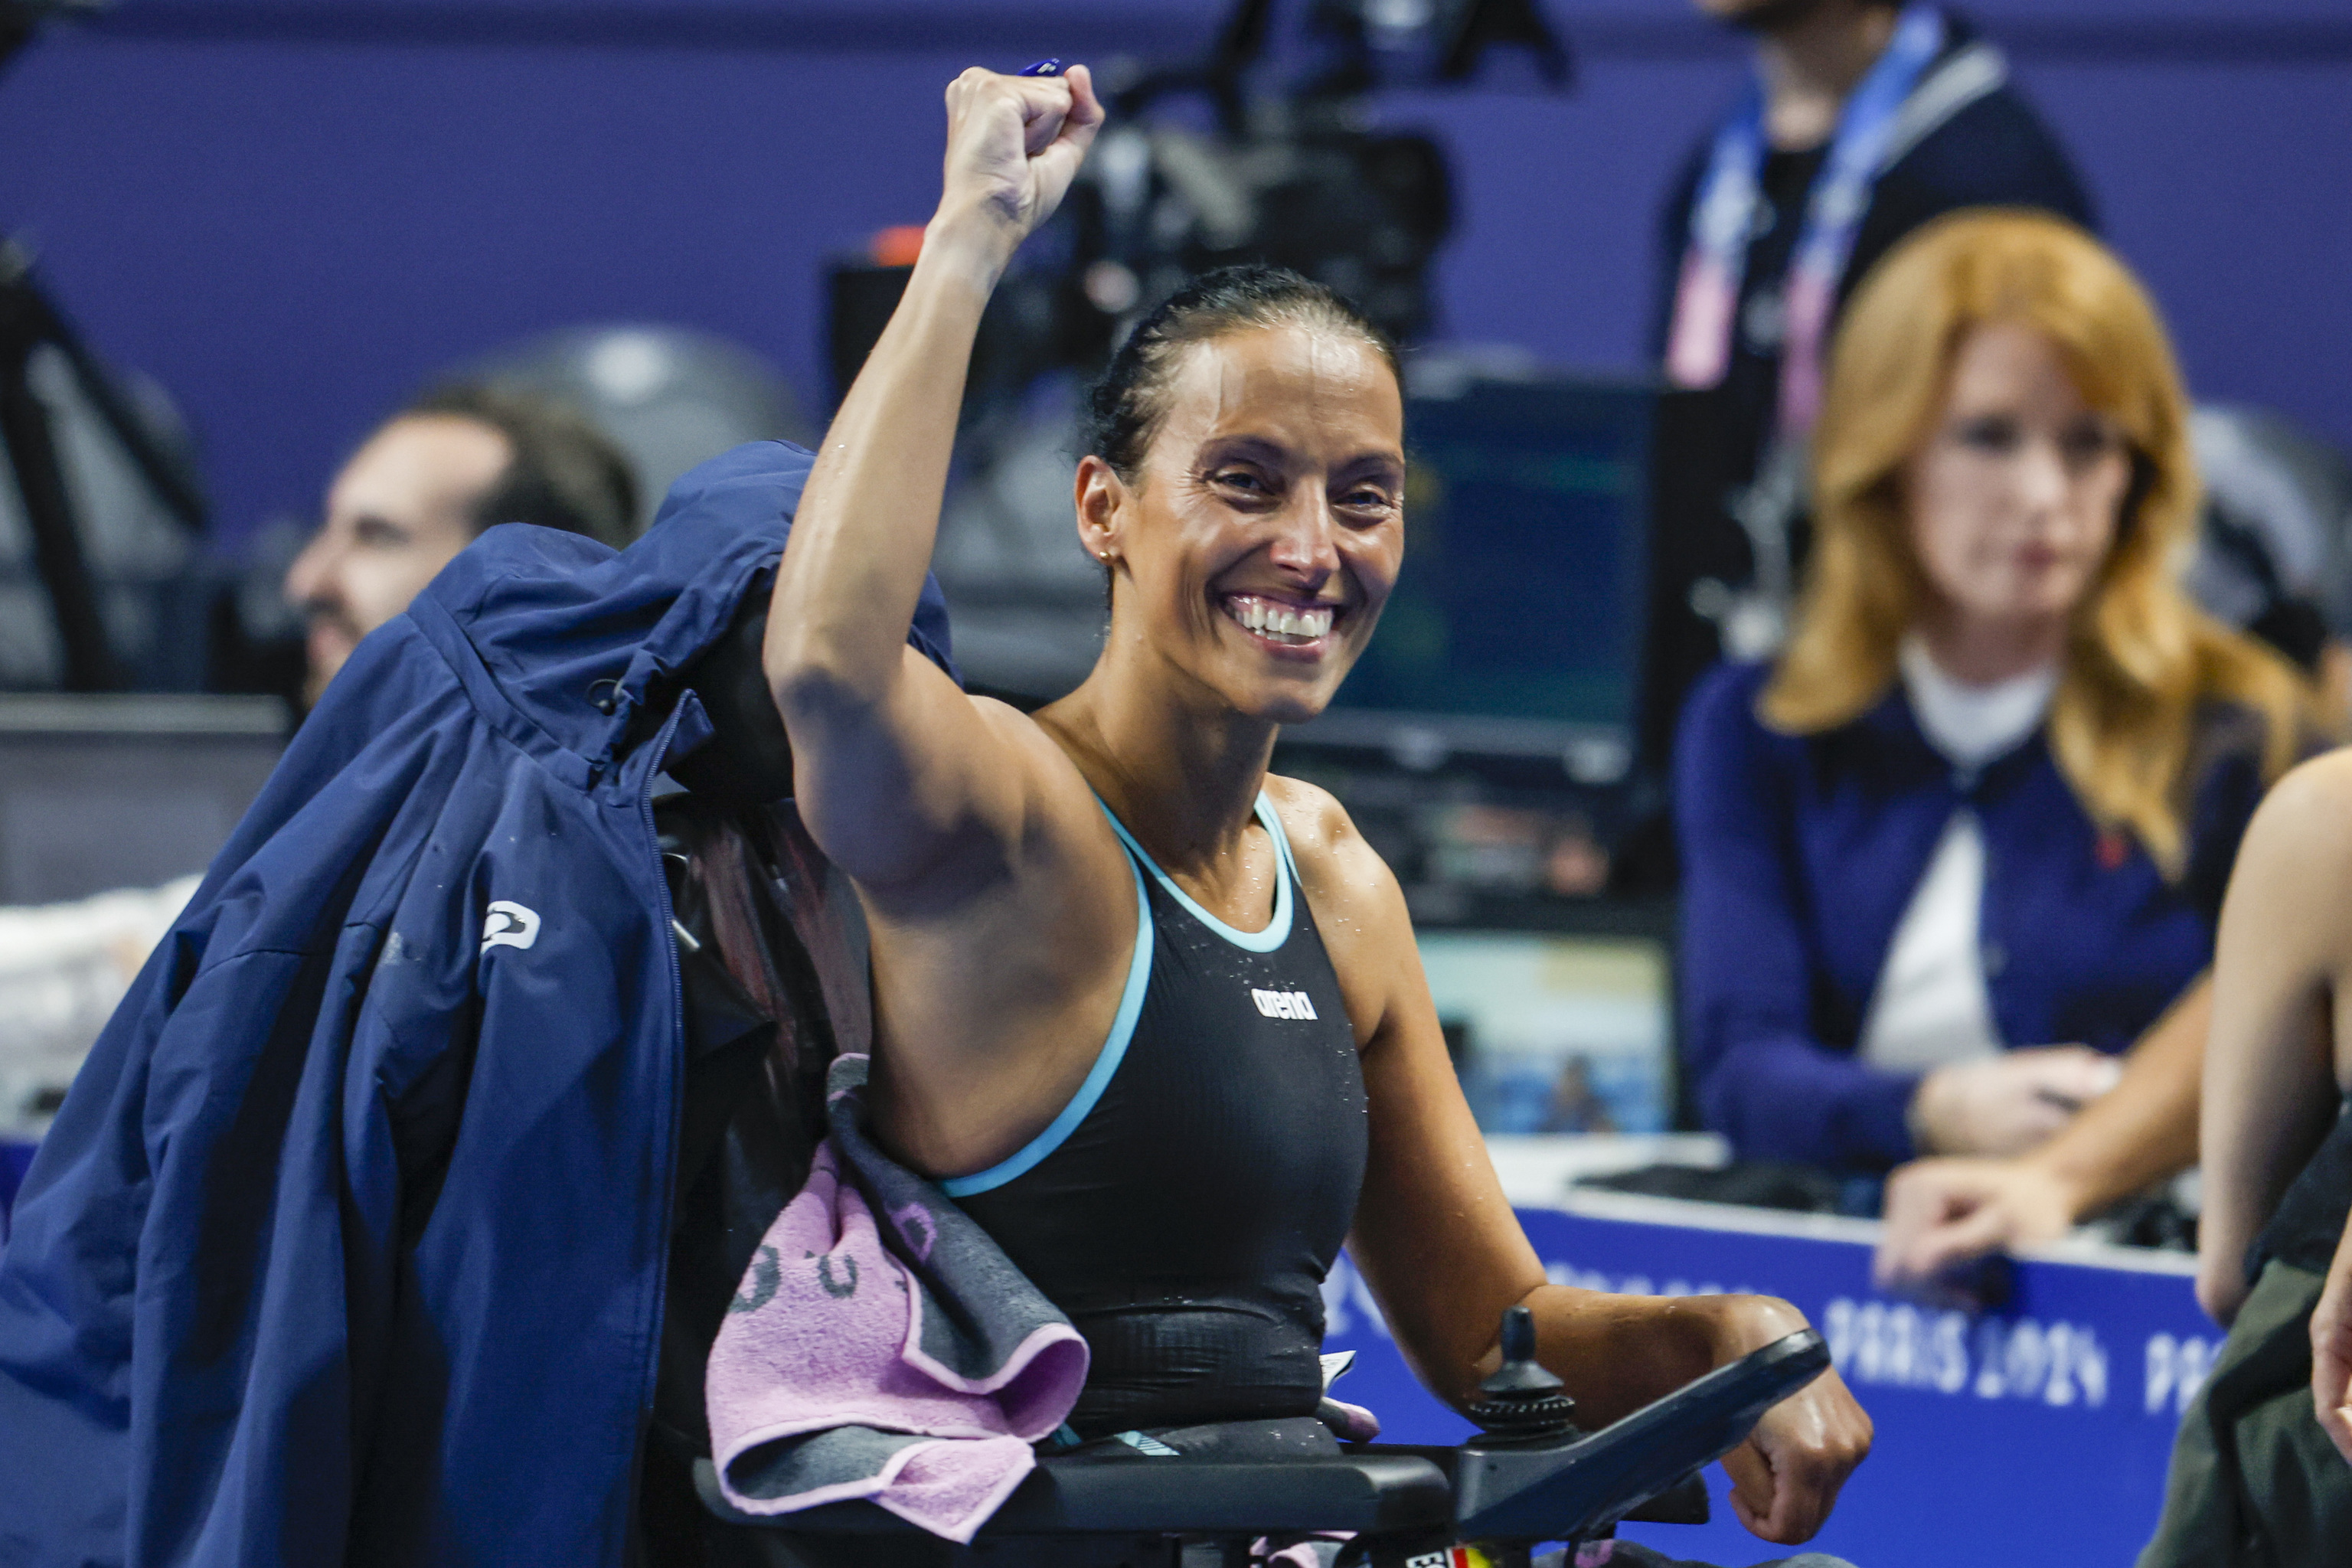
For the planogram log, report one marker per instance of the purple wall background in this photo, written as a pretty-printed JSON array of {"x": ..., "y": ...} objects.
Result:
[{"x": 293, "y": 212}]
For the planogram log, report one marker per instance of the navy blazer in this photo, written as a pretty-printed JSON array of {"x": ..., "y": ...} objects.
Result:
[{"x": 1801, "y": 854}]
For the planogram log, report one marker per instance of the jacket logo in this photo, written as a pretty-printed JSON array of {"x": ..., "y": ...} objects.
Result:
[
  {"x": 1283, "y": 1003},
  {"x": 508, "y": 924}
]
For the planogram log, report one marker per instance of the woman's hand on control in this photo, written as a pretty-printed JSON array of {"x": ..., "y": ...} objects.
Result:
[
  {"x": 1786, "y": 1476},
  {"x": 1014, "y": 142},
  {"x": 2010, "y": 1103}
]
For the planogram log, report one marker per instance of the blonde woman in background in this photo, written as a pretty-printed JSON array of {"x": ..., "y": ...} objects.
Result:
[{"x": 1966, "y": 840}]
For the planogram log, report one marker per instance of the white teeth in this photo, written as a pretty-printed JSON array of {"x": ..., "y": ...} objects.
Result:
[{"x": 1280, "y": 620}]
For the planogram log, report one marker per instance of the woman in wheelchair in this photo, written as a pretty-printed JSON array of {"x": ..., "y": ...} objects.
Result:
[{"x": 1153, "y": 1016}]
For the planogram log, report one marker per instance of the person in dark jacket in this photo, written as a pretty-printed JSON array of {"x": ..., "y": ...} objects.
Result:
[
  {"x": 1965, "y": 840},
  {"x": 349, "y": 1242},
  {"x": 2271, "y": 561},
  {"x": 1867, "y": 121}
]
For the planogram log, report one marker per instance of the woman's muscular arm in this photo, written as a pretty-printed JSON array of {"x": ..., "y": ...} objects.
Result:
[
  {"x": 895, "y": 768},
  {"x": 2278, "y": 971},
  {"x": 1437, "y": 1241}
]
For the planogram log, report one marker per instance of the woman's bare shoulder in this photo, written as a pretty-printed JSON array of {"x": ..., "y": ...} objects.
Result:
[
  {"x": 1334, "y": 859},
  {"x": 2290, "y": 897},
  {"x": 1360, "y": 909},
  {"x": 2308, "y": 814}
]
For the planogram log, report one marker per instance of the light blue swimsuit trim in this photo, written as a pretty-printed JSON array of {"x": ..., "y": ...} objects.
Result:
[
  {"x": 1277, "y": 930},
  {"x": 1130, "y": 1002},
  {"x": 1114, "y": 1051}
]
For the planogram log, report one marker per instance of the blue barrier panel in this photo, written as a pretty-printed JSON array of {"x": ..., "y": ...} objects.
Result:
[{"x": 2036, "y": 1434}]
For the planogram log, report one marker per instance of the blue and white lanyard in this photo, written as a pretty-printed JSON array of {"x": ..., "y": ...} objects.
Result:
[{"x": 1698, "y": 348}]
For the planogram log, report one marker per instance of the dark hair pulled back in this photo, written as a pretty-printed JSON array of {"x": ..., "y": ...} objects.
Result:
[{"x": 1125, "y": 407}]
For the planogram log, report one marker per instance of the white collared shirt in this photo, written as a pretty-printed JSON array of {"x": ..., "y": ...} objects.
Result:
[{"x": 1930, "y": 1007}]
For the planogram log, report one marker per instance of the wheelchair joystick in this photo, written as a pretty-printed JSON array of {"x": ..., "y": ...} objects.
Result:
[{"x": 1522, "y": 1402}]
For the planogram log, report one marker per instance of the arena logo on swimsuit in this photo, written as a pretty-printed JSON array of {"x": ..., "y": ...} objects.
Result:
[{"x": 1283, "y": 1003}]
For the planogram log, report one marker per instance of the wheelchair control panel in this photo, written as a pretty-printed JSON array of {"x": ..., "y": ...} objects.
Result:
[{"x": 1530, "y": 1477}]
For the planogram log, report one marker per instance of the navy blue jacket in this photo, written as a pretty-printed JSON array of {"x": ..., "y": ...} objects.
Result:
[
  {"x": 348, "y": 1244},
  {"x": 1995, "y": 151},
  {"x": 1801, "y": 854}
]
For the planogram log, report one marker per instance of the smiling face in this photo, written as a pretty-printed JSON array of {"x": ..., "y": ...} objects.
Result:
[
  {"x": 1265, "y": 524},
  {"x": 2015, "y": 495}
]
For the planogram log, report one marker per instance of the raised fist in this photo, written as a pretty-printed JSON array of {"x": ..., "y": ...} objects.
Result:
[{"x": 1014, "y": 143}]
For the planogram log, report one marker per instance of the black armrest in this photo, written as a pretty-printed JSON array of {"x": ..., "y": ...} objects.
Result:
[
  {"x": 1568, "y": 1488},
  {"x": 1573, "y": 1490},
  {"x": 1362, "y": 1493}
]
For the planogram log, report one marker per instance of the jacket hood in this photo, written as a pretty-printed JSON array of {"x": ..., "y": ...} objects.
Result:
[{"x": 564, "y": 643}]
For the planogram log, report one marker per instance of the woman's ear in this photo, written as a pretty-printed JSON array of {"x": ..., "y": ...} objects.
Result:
[{"x": 1101, "y": 502}]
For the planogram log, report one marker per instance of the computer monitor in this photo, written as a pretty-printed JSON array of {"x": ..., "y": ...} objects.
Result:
[{"x": 1517, "y": 626}]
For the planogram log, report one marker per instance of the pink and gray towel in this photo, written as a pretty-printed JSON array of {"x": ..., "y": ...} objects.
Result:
[{"x": 882, "y": 1347}]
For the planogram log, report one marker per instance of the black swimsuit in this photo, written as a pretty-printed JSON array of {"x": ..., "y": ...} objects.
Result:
[{"x": 1185, "y": 1207}]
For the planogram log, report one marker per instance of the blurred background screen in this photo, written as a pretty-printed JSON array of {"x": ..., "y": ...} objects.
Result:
[
  {"x": 1523, "y": 605},
  {"x": 1556, "y": 1034},
  {"x": 123, "y": 791}
]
